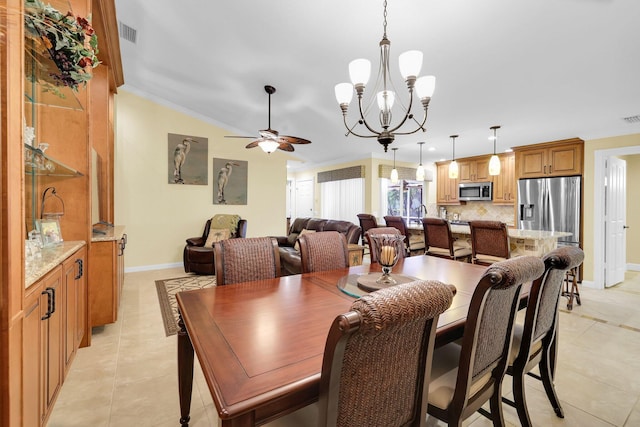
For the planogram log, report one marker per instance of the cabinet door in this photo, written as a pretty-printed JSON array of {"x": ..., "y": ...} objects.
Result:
[
  {"x": 482, "y": 170},
  {"x": 533, "y": 163},
  {"x": 466, "y": 171},
  {"x": 51, "y": 335},
  {"x": 32, "y": 358},
  {"x": 565, "y": 160},
  {"x": 70, "y": 299},
  {"x": 81, "y": 296},
  {"x": 103, "y": 282},
  {"x": 504, "y": 184},
  {"x": 442, "y": 190}
]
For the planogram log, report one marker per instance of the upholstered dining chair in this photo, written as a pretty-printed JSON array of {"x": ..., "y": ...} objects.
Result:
[
  {"x": 467, "y": 375},
  {"x": 373, "y": 253},
  {"x": 439, "y": 242},
  {"x": 377, "y": 359},
  {"x": 414, "y": 243},
  {"x": 243, "y": 260},
  {"x": 489, "y": 242},
  {"x": 327, "y": 250},
  {"x": 367, "y": 221},
  {"x": 534, "y": 340}
]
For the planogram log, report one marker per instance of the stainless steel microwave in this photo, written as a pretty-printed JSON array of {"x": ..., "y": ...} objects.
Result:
[{"x": 475, "y": 191}]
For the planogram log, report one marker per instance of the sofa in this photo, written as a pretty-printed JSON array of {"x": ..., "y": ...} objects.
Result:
[
  {"x": 290, "y": 261},
  {"x": 197, "y": 257}
]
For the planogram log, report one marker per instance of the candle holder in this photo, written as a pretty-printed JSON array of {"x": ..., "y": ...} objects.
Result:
[{"x": 387, "y": 247}]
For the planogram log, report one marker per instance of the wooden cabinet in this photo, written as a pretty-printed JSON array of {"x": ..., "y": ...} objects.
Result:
[
  {"x": 54, "y": 323},
  {"x": 558, "y": 158},
  {"x": 106, "y": 277},
  {"x": 504, "y": 185},
  {"x": 447, "y": 188},
  {"x": 474, "y": 170}
]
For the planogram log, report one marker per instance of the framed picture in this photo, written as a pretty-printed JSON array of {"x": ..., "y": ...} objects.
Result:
[
  {"x": 230, "y": 181},
  {"x": 187, "y": 159},
  {"x": 49, "y": 230}
]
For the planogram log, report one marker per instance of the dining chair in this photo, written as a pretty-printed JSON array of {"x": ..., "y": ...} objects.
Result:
[
  {"x": 367, "y": 221},
  {"x": 327, "y": 250},
  {"x": 535, "y": 340},
  {"x": 439, "y": 242},
  {"x": 489, "y": 242},
  {"x": 373, "y": 253},
  {"x": 414, "y": 244},
  {"x": 377, "y": 358},
  {"x": 243, "y": 260},
  {"x": 466, "y": 375}
]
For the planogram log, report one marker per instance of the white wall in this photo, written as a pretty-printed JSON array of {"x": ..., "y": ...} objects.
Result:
[{"x": 159, "y": 216}]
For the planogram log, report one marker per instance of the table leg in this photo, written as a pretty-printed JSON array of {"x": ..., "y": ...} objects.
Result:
[{"x": 185, "y": 372}]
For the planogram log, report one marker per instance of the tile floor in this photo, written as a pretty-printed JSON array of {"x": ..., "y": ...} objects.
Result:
[{"x": 128, "y": 375}]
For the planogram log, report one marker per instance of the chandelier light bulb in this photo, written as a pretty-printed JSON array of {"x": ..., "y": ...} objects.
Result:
[
  {"x": 425, "y": 86},
  {"x": 360, "y": 71},
  {"x": 386, "y": 99},
  {"x": 410, "y": 64},
  {"x": 344, "y": 93}
]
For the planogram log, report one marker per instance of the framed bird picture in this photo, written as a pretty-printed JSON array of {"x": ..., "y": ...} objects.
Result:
[
  {"x": 230, "y": 181},
  {"x": 187, "y": 159}
]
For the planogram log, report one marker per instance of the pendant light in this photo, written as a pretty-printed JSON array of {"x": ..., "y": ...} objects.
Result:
[
  {"x": 420, "y": 170},
  {"x": 494, "y": 163},
  {"x": 394, "y": 171},
  {"x": 453, "y": 166}
]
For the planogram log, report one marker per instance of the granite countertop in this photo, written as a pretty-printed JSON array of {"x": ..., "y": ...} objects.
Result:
[
  {"x": 111, "y": 233},
  {"x": 513, "y": 232},
  {"x": 50, "y": 259}
]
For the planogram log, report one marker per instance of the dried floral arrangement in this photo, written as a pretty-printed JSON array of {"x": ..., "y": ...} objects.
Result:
[{"x": 67, "y": 40}]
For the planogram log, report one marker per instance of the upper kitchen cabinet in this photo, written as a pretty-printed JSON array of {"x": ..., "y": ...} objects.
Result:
[
  {"x": 504, "y": 184},
  {"x": 558, "y": 158},
  {"x": 474, "y": 170},
  {"x": 447, "y": 188}
]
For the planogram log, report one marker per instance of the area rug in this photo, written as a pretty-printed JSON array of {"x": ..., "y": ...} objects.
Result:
[{"x": 167, "y": 290}]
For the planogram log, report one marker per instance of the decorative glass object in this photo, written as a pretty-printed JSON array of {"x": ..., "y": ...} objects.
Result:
[{"x": 388, "y": 247}]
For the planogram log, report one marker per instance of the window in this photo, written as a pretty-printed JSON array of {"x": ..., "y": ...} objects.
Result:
[
  {"x": 343, "y": 199},
  {"x": 403, "y": 199}
]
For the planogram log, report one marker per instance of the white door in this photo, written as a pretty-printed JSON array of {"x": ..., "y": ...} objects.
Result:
[
  {"x": 304, "y": 199},
  {"x": 615, "y": 210}
]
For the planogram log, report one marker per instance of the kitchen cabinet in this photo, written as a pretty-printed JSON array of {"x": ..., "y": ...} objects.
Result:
[
  {"x": 54, "y": 323},
  {"x": 558, "y": 158},
  {"x": 504, "y": 184},
  {"x": 106, "y": 275},
  {"x": 447, "y": 188},
  {"x": 474, "y": 170}
]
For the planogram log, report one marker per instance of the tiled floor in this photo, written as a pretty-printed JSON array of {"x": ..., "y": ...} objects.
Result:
[{"x": 128, "y": 375}]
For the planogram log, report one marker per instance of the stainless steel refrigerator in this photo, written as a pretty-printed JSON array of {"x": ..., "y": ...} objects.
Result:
[{"x": 551, "y": 204}]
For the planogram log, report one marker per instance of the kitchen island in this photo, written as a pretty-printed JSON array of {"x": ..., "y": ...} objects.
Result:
[{"x": 521, "y": 242}]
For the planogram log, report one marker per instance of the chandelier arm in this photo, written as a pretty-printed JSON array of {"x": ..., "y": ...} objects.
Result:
[
  {"x": 351, "y": 132},
  {"x": 363, "y": 119},
  {"x": 406, "y": 116},
  {"x": 420, "y": 125}
]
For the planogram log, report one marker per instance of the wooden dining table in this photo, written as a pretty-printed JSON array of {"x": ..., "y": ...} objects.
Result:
[{"x": 260, "y": 344}]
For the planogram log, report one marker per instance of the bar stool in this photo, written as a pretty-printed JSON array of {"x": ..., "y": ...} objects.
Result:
[
  {"x": 489, "y": 242},
  {"x": 571, "y": 287}
]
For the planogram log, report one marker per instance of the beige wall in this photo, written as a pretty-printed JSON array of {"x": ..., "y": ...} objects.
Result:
[
  {"x": 590, "y": 147},
  {"x": 159, "y": 216},
  {"x": 633, "y": 219}
]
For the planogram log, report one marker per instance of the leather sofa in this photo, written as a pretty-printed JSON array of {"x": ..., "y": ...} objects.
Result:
[
  {"x": 200, "y": 259},
  {"x": 290, "y": 257}
]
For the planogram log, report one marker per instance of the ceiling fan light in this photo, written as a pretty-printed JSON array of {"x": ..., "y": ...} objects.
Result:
[
  {"x": 425, "y": 86},
  {"x": 360, "y": 71},
  {"x": 453, "y": 170},
  {"x": 268, "y": 146},
  {"x": 385, "y": 100},
  {"x": 410, "y": 63},
  {"x": 494, "y": 165},
  {"x": 344, "y": 93}
]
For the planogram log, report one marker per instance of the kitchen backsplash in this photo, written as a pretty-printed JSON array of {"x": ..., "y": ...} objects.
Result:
[{"x": 476, "y": 211}]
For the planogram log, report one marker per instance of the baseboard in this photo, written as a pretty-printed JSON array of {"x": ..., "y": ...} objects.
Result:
[
  {"x": 152, "y": 267},
  {"x": 590, "y": 284},
  {"x": 633, "y": 267}
]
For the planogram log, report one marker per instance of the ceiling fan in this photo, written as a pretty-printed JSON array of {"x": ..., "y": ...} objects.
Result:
[{"x": 269, "y": 139}]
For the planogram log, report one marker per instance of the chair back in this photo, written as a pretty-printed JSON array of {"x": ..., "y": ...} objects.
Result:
[
  {"x": 542, "y": 307},
  {"x": 489, "y": 329},
  {"x": 367, "y": 221},
  {"x": 327, "y": 250},
  {"x": 398, "y": 222},
  {"x": 489, "y": 242},
  {"x": 437, "y": 234},
  {"x": 377, "y": 358},
  {"x": 373, "y": 249},
  {"x": 244, "y": 260}
]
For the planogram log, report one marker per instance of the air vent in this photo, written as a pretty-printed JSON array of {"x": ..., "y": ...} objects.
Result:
[
  {"x": 632, "y": 119},
  {"x": 128, "y": 33}
]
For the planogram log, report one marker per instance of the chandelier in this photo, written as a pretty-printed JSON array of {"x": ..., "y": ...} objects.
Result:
[{"x": 360, "y": 71}]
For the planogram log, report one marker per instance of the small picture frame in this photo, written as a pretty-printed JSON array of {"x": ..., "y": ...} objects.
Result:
[{"x": 49, "y": 230}]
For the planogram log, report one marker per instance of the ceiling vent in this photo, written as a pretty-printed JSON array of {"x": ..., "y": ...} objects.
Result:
[
  {"x": 632, "y": 119},
  {"x": 127, "y": 32}
]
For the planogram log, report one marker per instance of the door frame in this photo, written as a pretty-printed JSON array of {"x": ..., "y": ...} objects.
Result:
[{"x": 600, "y": 156}]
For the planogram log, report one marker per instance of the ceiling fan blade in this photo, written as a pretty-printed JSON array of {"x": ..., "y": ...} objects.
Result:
[
  {"x": 237, "y": 136},
  {"x": 285, "y": 146},
  {"x": 293, "y": 139},
  {"x": 255, "y": 143}
]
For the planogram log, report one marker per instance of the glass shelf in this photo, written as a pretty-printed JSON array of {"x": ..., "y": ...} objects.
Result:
[{"x": 38, "y": 163}]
